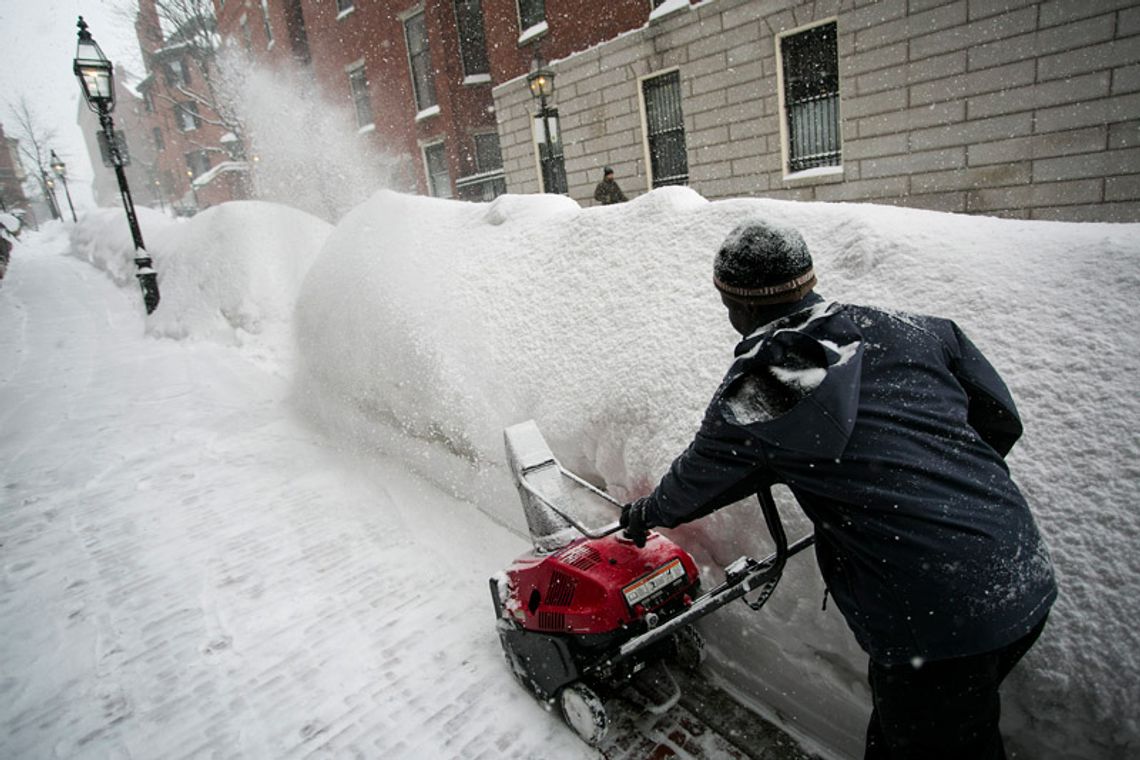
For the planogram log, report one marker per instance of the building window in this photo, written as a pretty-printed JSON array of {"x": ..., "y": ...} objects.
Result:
[
  {"x": 344, "y": 6},
  {"x": 472, "y": 41},
  {"x": 361, "y": 100},
  {"x": 159, "y": 142},
  {"x": 415, "y": 31},
  {"x": 487, "y": 183},
  {"x": 148, "y": 100},
  {"x": 531, "y": 13},
  {"x": 810, "y": 75},
  {"x": 198, "y": 163},
  {"x": 265, "y": 19},
  {"x": 665, "y": 129},
  {"x": 187, "y": 112},
  {"x": 246, "y": 36},
  {"x": 439, "y": 181},
  {"x": 177, "y": 73},
  {"x": 488, "y": 155},
  {"x": 295, "y": 28}
]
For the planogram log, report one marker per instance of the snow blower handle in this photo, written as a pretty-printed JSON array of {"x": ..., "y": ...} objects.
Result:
[
  {"x": 604, "y": 531},
  {"x": 742, "y": 577}
]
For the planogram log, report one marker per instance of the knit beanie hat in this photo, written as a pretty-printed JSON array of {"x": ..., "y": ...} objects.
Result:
[{"x": 764, "y": 263}]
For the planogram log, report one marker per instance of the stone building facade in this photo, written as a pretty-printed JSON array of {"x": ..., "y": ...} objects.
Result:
[{"x": 1016, "y": 108}]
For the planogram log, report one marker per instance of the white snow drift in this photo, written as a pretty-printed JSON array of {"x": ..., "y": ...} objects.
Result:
[{"x": 426, "y": 326}]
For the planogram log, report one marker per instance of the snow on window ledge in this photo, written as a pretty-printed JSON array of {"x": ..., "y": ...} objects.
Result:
[
  {"x": 210, "y": 175},
  {"x": 366, "y": 129},
  {"x": 427, "y": 112},
  {"x": 537, "y": 30},
  {"x": 816, "y": 176},
  {"x": 668, "y": 8},
  {"x": 477, "y": 79},
  {"x": 345, "y": 12}
]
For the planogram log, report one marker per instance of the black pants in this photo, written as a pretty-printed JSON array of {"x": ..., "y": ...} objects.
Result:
[{"x": 943, "y": 710}]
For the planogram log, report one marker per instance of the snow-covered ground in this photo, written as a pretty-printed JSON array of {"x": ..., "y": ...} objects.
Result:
[
  {"x": 423, "y": 327},
  {"x": 148, "y": 487}
]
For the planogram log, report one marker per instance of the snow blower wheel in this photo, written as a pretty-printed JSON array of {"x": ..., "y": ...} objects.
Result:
[
  {"x": 584, "y": 711},
  {"x": 688, "y": 648}
]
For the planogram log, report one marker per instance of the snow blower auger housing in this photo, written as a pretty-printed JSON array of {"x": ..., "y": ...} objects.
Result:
[{"x": 587, "y": 611}]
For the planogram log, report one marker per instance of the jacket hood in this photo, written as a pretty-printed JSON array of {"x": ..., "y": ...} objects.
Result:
[{"x": 795, "y": 382}]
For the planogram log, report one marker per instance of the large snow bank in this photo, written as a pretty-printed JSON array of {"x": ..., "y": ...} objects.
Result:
[
  {"x": 103, "y": 239},
  {"x": 228, "y": 274},
  {"x": 429, "y": 325}
]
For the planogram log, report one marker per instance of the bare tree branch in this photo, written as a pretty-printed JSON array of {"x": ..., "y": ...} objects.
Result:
[
  {"x": 35, "y": 139},
  {"x": 190, "y": 26}
]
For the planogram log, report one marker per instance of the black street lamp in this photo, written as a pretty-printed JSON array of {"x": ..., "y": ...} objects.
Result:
[
  {"x": 49, "y": 194},
  {"x": 96, "y": 77},
  {"x": 541, "y": 81},
  {"x": 60, "y": 170}
]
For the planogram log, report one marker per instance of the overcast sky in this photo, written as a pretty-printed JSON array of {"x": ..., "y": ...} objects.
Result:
[{"x": 37, "y": 46}]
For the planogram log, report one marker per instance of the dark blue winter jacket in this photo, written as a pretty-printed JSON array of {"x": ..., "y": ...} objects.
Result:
[{"x": 890, "y": 430}]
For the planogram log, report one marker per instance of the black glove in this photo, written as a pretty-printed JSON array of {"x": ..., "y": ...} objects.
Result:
[{"x": 633, "y": 521}]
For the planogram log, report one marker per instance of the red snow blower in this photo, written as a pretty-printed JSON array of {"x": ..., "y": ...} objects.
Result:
[{"x": 586, "y": 612}]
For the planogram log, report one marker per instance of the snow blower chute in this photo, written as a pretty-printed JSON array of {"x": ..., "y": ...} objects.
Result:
[{"x": 587, "y": 611}]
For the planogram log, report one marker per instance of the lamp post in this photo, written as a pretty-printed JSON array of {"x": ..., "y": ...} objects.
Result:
[
  {"x": 541, "y": 81},
  {"x": 158, "y": 195},
  {"x": 49, "y": 194},
  {"x": 96, "y": 77},
  {"x": 60, "y": 170},
  {"x": 193, "y": 188}
]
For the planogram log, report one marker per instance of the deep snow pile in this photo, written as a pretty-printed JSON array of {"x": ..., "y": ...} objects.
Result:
[
  {"x": 429, "y": 325},
  {"x": 426, "y": 326},
  {"x": 230, "y": 274},
  {"x": 103, "y": 239}
]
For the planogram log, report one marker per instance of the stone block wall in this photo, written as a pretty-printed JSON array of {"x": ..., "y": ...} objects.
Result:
[{"x": 1017, "y": 108}]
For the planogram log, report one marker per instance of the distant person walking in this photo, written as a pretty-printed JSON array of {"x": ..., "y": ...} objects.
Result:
[{"x": 607, "y": 191}]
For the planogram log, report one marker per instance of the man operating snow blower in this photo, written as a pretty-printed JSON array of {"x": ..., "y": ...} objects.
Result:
[{"x": 890, "y": 430}]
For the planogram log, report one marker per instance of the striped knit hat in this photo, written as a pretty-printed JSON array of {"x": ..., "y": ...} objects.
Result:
[{"x": 764, "y": 263}]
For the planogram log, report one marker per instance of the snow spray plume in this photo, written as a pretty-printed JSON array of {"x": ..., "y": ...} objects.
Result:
[{"x": 307, "y": 154}]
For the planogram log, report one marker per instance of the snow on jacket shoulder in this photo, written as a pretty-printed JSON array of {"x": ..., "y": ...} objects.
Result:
[{"x": 890, "y": 430}]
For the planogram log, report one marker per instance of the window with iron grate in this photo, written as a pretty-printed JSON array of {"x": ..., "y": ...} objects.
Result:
[
  {"x": 810, "y": 65},
  {"x": 665, "y": 129}
]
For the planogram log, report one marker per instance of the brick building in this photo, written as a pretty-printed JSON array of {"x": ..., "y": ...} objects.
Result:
[
  {"x": 418, "y": 75},
  {"x": 199, "y": 157},
  {"x": 12, "y": 174},
  {"x": 417, "y": 87},
  {"x": 1024, "y": 108}
]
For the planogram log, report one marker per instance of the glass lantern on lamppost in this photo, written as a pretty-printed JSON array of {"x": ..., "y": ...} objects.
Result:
[
  {"x": 60, "y": 170},
  {"x": 96, "y": 76},
  {"x": 541, "y": 81}
]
